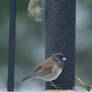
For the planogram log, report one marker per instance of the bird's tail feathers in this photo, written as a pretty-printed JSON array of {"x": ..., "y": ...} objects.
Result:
[{"x": 26, "y": 78}]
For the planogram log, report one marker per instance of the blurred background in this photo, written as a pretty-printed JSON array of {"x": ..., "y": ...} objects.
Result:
[{"x": 30, "y": 44}]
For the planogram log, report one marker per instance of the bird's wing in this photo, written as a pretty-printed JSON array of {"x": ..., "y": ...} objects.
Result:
[{"x": 44, "y": 68}]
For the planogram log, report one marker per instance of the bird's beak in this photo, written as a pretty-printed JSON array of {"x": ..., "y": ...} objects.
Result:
[{"x": 64, "y": 58}]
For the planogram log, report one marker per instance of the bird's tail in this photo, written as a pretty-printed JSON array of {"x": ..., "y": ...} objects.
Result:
[
  {"x": 26, "y": 78},
  {"x": 82, "y": 84}
]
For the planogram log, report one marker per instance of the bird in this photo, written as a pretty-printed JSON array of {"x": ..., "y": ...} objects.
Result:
[
  {"x": 34, "y": 10},
  {"x": 51, "y": 68}
]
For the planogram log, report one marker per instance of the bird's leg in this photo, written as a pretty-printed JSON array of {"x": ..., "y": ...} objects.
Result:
[{"x": 54, "y": 85}]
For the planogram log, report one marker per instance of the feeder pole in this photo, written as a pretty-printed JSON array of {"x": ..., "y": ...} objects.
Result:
[
  {"x": 11, "y": 57},
  {"x": 60, "y": 37}
]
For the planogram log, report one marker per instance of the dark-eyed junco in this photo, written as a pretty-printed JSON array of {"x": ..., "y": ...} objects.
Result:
[
  {"x": 49, "y": 69},
  {"x": 34, "y": 10}
]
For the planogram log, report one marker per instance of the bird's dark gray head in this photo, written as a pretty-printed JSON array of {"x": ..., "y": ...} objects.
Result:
[{"x": 59, "y": 59}]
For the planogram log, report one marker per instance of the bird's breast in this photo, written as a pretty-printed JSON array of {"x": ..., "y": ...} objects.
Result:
[{"x": 54, "y": 75}]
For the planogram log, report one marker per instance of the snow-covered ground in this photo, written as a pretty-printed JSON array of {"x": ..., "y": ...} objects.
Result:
[{"x": 36, "y": 87}]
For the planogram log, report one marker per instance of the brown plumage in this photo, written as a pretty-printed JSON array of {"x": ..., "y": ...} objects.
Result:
[{"x": 49, "y": 69}]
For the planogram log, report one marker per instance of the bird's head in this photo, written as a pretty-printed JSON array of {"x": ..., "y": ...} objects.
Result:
[{"x": 59, "y": 59}]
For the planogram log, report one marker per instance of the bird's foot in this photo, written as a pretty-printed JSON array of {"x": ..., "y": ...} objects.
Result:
[{"x": 54, "y": 85}]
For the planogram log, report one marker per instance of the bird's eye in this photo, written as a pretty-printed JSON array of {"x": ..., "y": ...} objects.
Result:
[{"x": 60, "y": 57}]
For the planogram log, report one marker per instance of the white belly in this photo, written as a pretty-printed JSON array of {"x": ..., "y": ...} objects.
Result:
[{"x": 54, "y": 75}]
